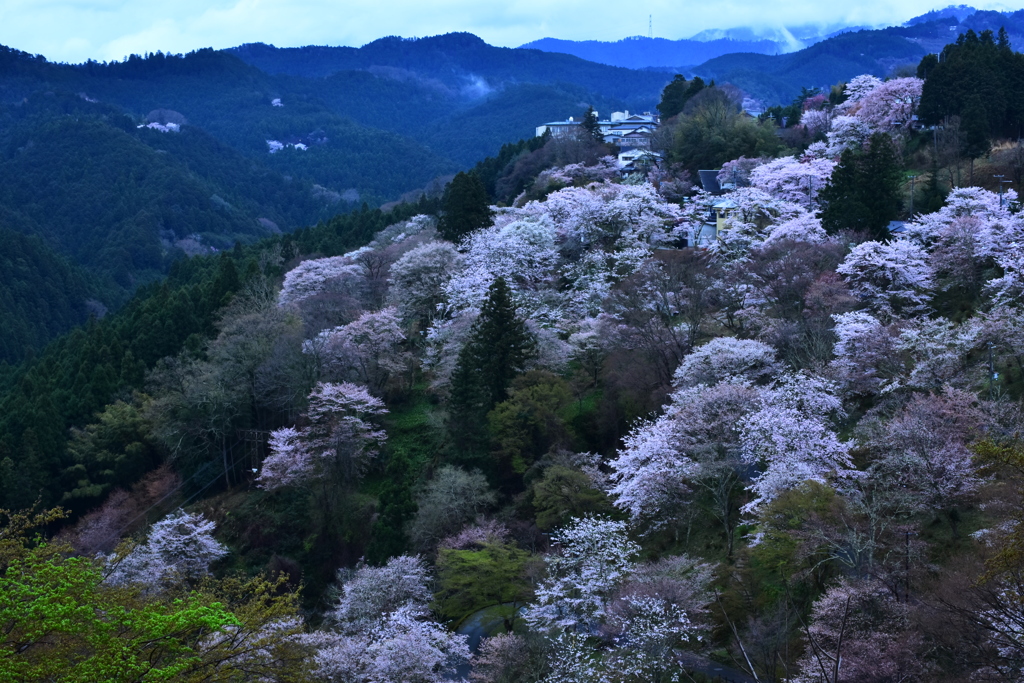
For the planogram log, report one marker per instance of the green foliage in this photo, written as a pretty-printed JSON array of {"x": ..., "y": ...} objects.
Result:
[
  {"x": 563, "y": 493},
  {"x": 865, "y": 191},
  {"x": 530, "y": 422},
  {"x": 465, "y": 207},
  {"x": 114, "y": 451},
  {"x": 63, "y": 623},
  {"x": 413, "y": 442},
  {"x": 978, "y": 78},
  {"x": 41, "y": 295},
  {"x": 493, "y": 169},
  {"x": 469, "y": 580},
  {"x": 715, "y": 131},
  {"x": 497, "y": 351},
  {"x": 77, "y": 375},
  {"x": 589, "y": 123},
  {"x": 677, "y": 93}
]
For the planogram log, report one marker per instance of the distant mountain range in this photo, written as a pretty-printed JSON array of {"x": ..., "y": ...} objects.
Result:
[{"x": 929, "y": 32}]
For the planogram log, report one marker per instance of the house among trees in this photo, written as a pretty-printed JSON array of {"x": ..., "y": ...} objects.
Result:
[
  {"x": 637, "y": 160},
  {"x": 622, "y": 129}
]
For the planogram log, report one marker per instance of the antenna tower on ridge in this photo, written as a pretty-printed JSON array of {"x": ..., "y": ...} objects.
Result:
[{"x": 650, "y": 26}]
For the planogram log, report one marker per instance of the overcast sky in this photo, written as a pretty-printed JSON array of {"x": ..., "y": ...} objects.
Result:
[{"x": 76, "y": 30}]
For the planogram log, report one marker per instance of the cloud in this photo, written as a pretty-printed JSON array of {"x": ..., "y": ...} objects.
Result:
[{"x": 75, "y": 30}]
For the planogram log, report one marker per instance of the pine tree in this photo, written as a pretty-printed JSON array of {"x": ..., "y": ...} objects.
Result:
[
  {"x": 677, "y": 93},
  {"x": 865, "y": 190},
  {"x": 465, "y": 207},
  {"x": 498, "y": 349},
  {"x": 590, "y": 125}
]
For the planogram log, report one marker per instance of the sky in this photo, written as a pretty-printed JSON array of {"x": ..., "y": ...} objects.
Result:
[{"x": 76, "y": 30}]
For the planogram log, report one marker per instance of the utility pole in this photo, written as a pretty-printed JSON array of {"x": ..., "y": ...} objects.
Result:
[
  {"x": 991, "y": 371},
  {"x": 999, "y": 178},
  {"x": 912, "y": 178}
]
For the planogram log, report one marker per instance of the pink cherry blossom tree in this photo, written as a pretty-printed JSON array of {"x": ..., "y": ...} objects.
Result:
[
  {"x": 790, "y": 437},
  {"x": 178, "y": 549},
  {"x": 859, "y": 632},
  {"x": 593, "y": 557},
  {"x": 314, "y": 276},
  {"x": 365, "y": 350},
  {"x": 418, "y": 277},
  {"x": 890, "y": 106},
  {"x": 339, "y": 438},
  {"x": 793, "y": 180},
  {"x": 893, "y": 279}
]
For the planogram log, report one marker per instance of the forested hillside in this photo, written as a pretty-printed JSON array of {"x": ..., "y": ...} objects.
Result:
[
  {"x": 122, "y": 168},
  {"x": 562, "y": 424}
]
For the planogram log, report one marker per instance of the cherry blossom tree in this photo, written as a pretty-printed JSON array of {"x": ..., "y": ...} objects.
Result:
[
  {"x": 867, "y": 355},
  {"x": 318, "y": 275},
  {"x": 382, "y": 631},
  {"x": 859, "y": 632},
  {"x": 804, "y": 228},
  {"x": 404, "y": 645},
  {"x": 926, "y": 449},
  {"x": 694, "y": 447},
  {"x": 892, "y": 279},
  {"x": 418, "y": 278},
  {"x": 606, "y": 168},
  {"x": 752, "y": 212},
  {"x": 789, "y": 436},
  {"x": 365, "y": 350},
  {"x": 856, "y": 89},
  {"x": 369, "y": 592},
  {"x": 847, "y": 132},
  {"x": 939, "y": 352},
  {"x": 648, "y": 629},
  {"x": 816, "y": 121},
  {"x": 178, "y": 549},
  {"x": 725, "y": 358},
  {"x": 651, "y": 470},
  {"x": 793, "y": 180},
  {"x": 522, "y": 252},
  {"x": 510, "y": 657},
  {"x": 737, "y": 172},
  {"x": 593, "y": 557},
  {"x": 339, "y": 438},
  {"x": 1009, "y": 288},
  {"x": 889, "y": 106}
]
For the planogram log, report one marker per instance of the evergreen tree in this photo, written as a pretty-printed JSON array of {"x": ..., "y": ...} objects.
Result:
[
  {"x": 677, "y": 93},
  {"x": 590, "y": 125},
  {"x": 933, "y": 197},
  {"x": 465, "y": 207},
  {"x": 865, "y": 190},
  {"x": 497, "y": 351}
]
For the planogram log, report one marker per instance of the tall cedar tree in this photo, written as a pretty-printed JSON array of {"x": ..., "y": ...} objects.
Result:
[
  {"x": 865, "y": 190},
  {"x": 498, "y": 349},
  {"x": 980, "y": 79},
  {"x": 591, "y": 126},
  {"x": 465, "y": 207},
  {"x": 677, "y": 93}
]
